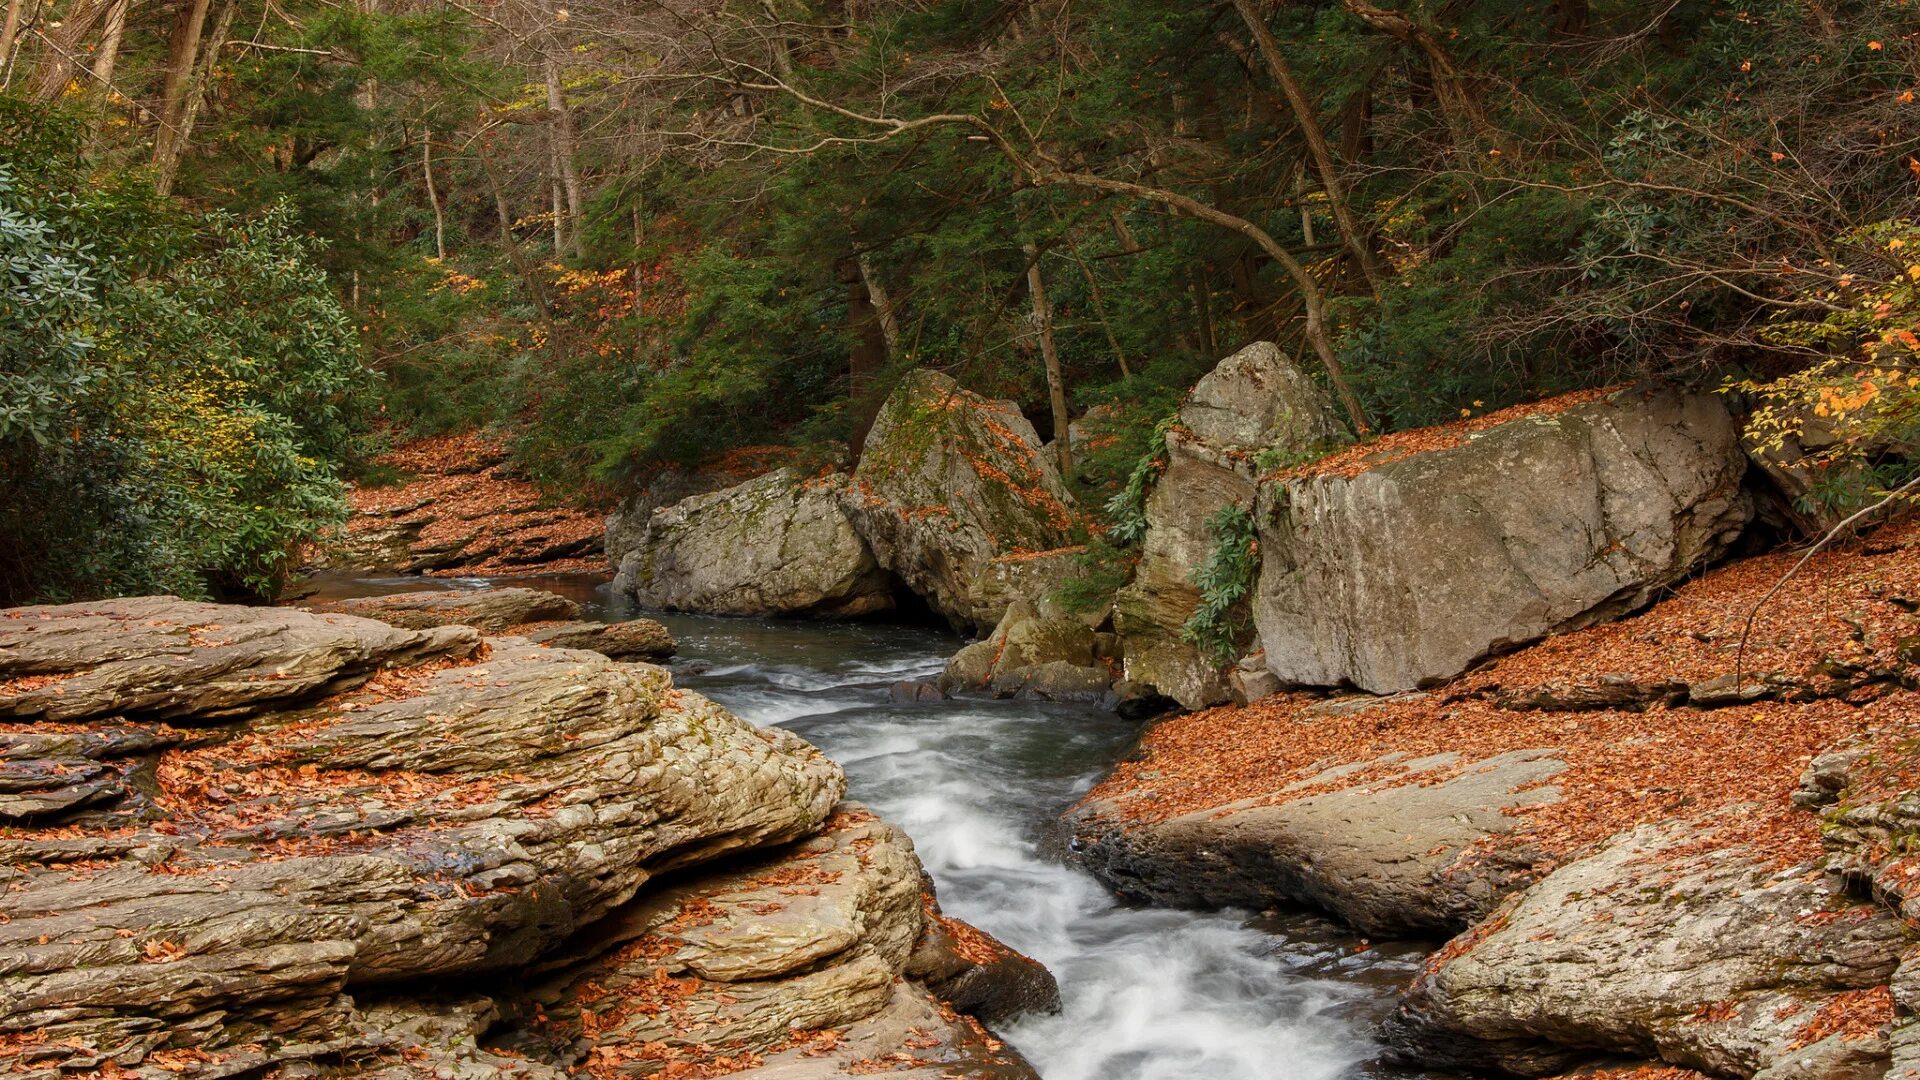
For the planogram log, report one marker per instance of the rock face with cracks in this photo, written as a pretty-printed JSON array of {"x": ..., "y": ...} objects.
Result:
[
  {"x": 534, "y": 614},
  {"x": 948, "y": 482},
  {"x": 282, "y": 807},
  {"x": 727, "y": 970},
  {"x": 1256, "y": 401},
  {"x": 1674, "y": 943},
  {"x": 1410, "y": 570},
  {"x": 774, "y": 545}
]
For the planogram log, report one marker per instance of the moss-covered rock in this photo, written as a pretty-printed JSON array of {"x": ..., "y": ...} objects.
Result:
[{"x": 950, "y": 481}]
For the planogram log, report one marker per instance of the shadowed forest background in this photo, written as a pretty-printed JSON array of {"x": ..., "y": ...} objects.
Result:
[{"x": 247, "y": 245}]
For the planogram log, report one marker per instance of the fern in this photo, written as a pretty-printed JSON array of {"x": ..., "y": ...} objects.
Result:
[
  {"x": 1224, "y": 579},
  {"x": 1127, "y": 510}
]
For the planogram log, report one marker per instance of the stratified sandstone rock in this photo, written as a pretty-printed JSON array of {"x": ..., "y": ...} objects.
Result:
[
  {"x": 715, "y": 972},
  {"x": 1411, "y": 570},
  {"x": 1254, "y": 402},
  {"x": 534, "y": 614},
  {"x": 492, "y": 610},
  {"x": 1672, "y": 942},
  {"x": 274, "y": 848},
  {"x": 1405, "y": 854},
  {"x": 1028, "y": 654},
  {"x": 632, "y": 639},
  {"x": 948, "y": 482},
  {"x": 162, "y": 657},
  {"x": 774, "y": 545},
  {"x": 975, "y": 973}
]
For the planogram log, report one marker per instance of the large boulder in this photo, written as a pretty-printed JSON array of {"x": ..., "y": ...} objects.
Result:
[
  {"x": 1034, "y": 655},
  {"x": 1406, "y": 854},
  {"x": 1682, "y": 942},
  {"x": 774, "y": 545},
  {"x": 948, "y": 482},
  {"x": 1409, "y": 570},
  {"x": 332, "y": 803},
  {"x": 1255, "y": 402}
]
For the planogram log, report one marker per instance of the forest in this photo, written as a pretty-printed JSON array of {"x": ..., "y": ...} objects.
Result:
[{"x": 250, "y": 244}]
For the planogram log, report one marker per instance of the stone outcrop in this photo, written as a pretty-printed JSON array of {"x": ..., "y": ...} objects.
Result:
[
  {"x": 537, "y": 615},
  {"x": 491, "y": 610},
  {"x": 948, "y": 482},
  {"x": 460, "y": 509},
  {"x": 727, "y": 971},
  {"x": 1033, "y": 655},
  {"x": 1671, "y": 943},
  {"x": 307, "y": 822},
  {"x": 1255, "y": 402},
  {"x": 774, "y": 545},
  {"x": 1410, "y": 570},
  {"x": 1408, "y": 854}
]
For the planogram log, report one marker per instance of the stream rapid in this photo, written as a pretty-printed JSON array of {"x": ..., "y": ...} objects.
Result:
[{"x": 980, "y": 786}]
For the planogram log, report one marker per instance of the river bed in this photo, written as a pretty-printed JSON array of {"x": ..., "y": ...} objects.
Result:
[{"x": 980, "y": 786}]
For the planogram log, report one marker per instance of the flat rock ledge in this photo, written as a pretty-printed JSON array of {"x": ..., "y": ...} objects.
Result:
[
  {"x": 541, "y": 617},
  {"x": 224, "y": 819},
  {"x": 1411, "y": 853}
]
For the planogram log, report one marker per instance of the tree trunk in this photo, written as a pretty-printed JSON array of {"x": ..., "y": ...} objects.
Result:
[
  {"x": 866, "y": 358},
  {"x": 433, "y": 197},
  {"x": 181, "y": 52},
  {"x": 65, "y": 39},
  {"x": 1100, "y": 309},
  {"x": 568, "y": 176},
  {"x": 883, "y": 309},
  {"x": 196, "y": 93},
  {"x": 9, "y": 30},
  {"x": 109, "y": 54},
  {"x": 1457, "y": 100},
  {"x": 1050, "y": 357},
  {"x": 1316, "y": 139},
  {"x": 511, "y": 242}
]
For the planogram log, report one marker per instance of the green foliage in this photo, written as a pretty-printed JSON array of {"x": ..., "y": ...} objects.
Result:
[
  {"x": 1225, "y": 578},
  {"x": 1852, "y": 417},
  {"x": 176, "y": 430},
  {"x": 1127, "y": 510}
]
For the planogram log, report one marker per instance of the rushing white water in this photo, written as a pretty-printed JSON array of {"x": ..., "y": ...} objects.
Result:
[{"x": 980, "y": 785}]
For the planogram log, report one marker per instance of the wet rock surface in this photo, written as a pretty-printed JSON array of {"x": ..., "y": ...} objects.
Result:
[{"x": 1034, "y": 655}]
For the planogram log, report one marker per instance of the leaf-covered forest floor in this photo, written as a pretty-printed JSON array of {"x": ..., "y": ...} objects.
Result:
[
  {"x": 1643, "y": 710},
  {"x": 473, "y": 514}
]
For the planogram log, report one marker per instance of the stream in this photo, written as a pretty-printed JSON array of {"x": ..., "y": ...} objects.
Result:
[{"x": 980, "y": 786}]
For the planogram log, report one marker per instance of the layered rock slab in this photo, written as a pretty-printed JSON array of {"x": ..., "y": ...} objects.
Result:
[
  {"x": 774, "y": 545},
  {"x": 1403, "y": 572},
  {"x": 453, "y": 817},
  {"x": 761, "y": 970},
  {"x": 948, "y": 482},
  {"x": 535, "y": 614}
]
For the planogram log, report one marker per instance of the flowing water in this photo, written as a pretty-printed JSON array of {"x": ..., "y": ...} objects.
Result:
[{"x": 980, "y": 786}]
